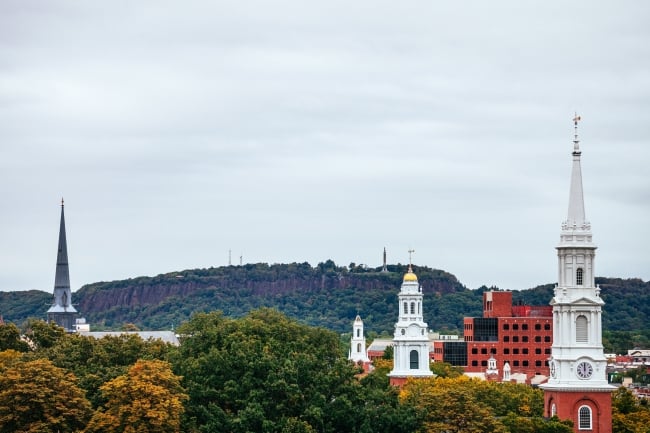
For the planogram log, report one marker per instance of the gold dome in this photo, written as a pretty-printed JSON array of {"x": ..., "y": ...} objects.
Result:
[{"x": 410, "y": 276}]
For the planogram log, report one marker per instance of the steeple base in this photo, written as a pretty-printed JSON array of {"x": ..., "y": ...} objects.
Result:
[{"x": 590, "y": 410}]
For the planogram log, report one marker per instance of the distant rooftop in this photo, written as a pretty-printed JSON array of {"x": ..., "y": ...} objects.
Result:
[{"x": 164, "y": 336}]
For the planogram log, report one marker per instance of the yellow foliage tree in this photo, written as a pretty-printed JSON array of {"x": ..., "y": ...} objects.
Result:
[
  {"x": 36, "y": 396},
  {"x": 148, "y": 399}
]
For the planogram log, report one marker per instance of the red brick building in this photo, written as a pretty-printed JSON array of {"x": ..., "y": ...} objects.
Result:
[{"x": 520, "y": 335}]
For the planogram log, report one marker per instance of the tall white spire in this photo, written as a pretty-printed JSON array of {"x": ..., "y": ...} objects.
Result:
[{"x": 576, "y": 214}]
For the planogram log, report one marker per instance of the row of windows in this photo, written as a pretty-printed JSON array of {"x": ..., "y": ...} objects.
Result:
[
  {"x": 524, "y": 339},
  {"x": 506, "y": 351},
  {"x": 515, "y": 363},
  {"x": 524, "y": 326}
]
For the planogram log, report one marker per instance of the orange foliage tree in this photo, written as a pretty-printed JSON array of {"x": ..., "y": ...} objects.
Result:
[{"x": 149, "y": 398}]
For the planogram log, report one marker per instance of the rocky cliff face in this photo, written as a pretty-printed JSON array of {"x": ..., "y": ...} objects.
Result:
[{"x": 151, "y": 291}]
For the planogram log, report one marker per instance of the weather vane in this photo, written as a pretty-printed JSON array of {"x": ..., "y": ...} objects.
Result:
[
  {"x": 410, "y": 262},
  {"x": 576, "y": 119}
]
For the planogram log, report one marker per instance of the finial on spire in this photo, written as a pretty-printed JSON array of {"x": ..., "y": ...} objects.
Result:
[
  {"x": 576, "y": 119},
  {"x": 61, "y": 201},
  {"x": 410, "y": 261}
]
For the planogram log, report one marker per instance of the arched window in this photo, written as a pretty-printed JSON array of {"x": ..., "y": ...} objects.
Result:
[
  {"x": 358, "y": 332},
  {"x": 415, "y": 359},
  {"x": 584, "y": 418},
  {"x": 406, "y": 308},
  {"x": 358, "y": 347},
  {"x": 553, "y": 409},
  {"x": 579, "y": 273},
  {"x": 582, "y": 335},
  {"x": 418, "y": 308},
  {"x": 412, "y": 307}
]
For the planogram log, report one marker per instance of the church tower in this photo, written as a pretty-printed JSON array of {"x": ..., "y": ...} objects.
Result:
[
  {"x": 578, "y": 388},
  {"x": 62, "y": 312},
  {"x": 411, "y": 339},
  {"x": 358, "y": 352}
]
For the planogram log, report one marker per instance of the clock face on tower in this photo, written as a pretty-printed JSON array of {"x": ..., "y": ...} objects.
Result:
[{"x": 584, "y": 370}]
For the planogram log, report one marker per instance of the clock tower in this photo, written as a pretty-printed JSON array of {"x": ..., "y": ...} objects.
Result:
[{"x": 578, "y": 388}]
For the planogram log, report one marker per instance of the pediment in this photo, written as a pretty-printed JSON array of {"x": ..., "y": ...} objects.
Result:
[{"x": 579, "y": 301}]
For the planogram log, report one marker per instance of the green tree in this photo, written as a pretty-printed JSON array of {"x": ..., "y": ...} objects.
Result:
[
  {"x": 36, "y": 396},
  {"x": 444, "y": 369},
  {"x": 44, "y": 334},
  {"x": 149, "y": 398},
  {"x": 263, "y": 373},
  {"x": 10, "y": 338}
]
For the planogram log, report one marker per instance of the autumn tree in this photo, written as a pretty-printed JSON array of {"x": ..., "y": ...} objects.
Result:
[
  {"x": 36, "y": 396},
  {"x": 97, "y": 361},
  {"x": 149, "y": 398}
]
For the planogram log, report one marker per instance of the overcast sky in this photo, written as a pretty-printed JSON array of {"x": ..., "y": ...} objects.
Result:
[{"x": 294, "y": 131}]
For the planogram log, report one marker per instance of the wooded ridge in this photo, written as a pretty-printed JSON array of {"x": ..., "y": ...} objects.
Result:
[{"x": 324, "y": 295}]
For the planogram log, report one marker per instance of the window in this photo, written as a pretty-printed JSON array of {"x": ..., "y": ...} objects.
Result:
[
  {"x": 547, "y": 351},
  {"x": 538, "y": 363},
  {"x": 415, "y": 359},
  {"x": 493, "y": 350},
  {"x": 506, "y": 327},
  {"x": 525, "y": 363},
  {"x": 524, "y": 351},
  {"x": 584, "y": 418},
  {"x": 538, "y": 351},
  {"x": 483, "y": 363},
  {"x": 524, "y": 327},
  {"x": 581, "y": 330},
  {"x": 579, "y": 277},
  {"x": 483, "y": 350},
  {"x": 553, "y": 410},
  {"x": 524, "y": 338},
  {"x": 474, "y": 351},
  {"x": 547, "y": 339},
  {"x": 506, "y": 351},
  {"x": 418, "y": 308},
  {"x": 358, "y": 332},
  {"x": 538, "y": 327},
  {"x": 547, "y": 326},
  {"x": 515, "y": 351},
  {"x": 515, "y": 339},
  {"x": 515, "y": 327},
  {"x": 538, "y": 339},
  {"x": 406, "y": 308},
  {"x": 475, "y": 363},
  {"x": 358, "y": 347},
  {"x": 412, "y": 307},
  {"x": 506, "y": 339},
  {"x": 515, "y": 363}
]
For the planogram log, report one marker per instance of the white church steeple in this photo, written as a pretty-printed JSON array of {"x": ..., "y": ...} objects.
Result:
[
  {"x": 577, "y": 388},
  {"x": 411, "y": 338},
  {"x": 358, "y": 352}
]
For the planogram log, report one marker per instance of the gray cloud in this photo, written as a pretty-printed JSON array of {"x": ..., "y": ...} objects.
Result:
[{"x": 302, "y": 132}]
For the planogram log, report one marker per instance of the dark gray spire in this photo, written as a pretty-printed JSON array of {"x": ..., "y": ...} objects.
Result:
[
  {"x": 62, "y": 276},
  {"x": 62, "y": 312}
]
